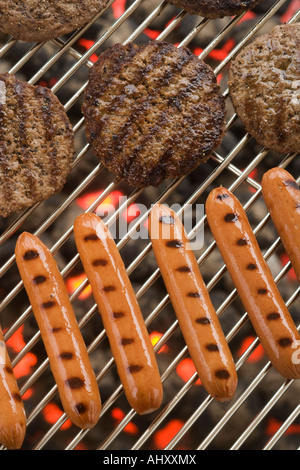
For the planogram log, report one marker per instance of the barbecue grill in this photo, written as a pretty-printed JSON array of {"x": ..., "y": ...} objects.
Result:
[{"x": 264, "y": 413}]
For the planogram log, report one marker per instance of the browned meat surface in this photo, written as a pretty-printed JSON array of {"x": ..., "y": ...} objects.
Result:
[
  {"x": 36, "y": 144},
  {"x": 152, "y": 112},
  {"x": 264, "y": 84},
  {"x": 41, "y": 20},
  {"x": 215, "y": 8}
]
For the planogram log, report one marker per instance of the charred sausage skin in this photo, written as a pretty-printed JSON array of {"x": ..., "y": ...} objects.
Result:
[
  {"x": 196, "y": 316},
  {"x": 253, "y": 280},
  {"x": 120, "y": 312},
  {"x": 66, "y": 349}
]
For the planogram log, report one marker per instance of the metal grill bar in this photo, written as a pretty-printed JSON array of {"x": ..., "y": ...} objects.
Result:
[{"x": 223, "y": 165}]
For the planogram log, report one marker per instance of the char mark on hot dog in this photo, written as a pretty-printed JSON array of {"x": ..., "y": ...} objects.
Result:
[
  {"x": 122, "y": 319},
  {"x": 192, "y": 305},
  {"x": 282, "y": 197},
  {"x": 68, "y": 357},
  {"x": 253, "y": 280}
]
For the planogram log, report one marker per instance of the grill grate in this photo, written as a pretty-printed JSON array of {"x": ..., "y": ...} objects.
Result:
[{"x": 264, "y": 412}]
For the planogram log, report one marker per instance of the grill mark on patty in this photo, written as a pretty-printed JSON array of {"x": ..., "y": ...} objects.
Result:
[
  {"x": 123, "y": 57},
  {"x": 3, "y": 163},
  {"x": 141, "y": 105},
  {"x": 138, "y": 74},
  {"x": 138, "y": 110},
  {"x": 46, "y": 116},
  {"x": 134, "y": 114},
  {"x": 39, "y": 21},
  {"x": 23, "y": 144},
  {"x": 172, "y": 138},
  {"x": 216, "y": 121},
  {"x": 215, "y": 8},
  {"x": 24, "y": 159}
]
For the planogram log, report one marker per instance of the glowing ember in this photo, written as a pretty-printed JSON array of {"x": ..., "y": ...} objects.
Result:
[
  {"x": 290, "y": 11},
  {"x": 291, "y": 274},
  {"x": 258, "y": 352},
  {"x": 24, "y": 367},
  {"x": 118, "y": 415},
  {"x": 87, "y": 44},
  {"x": 131, "y": 213},
  {"x": 253, "y": 175},
  {"x": 48, "y": 84},
  {"x": 16, "y": 341},
  {"x": 28, "y": 394},
  {"x": 218, "y": 54},
  {"x": 108, "y": 205},
  {"x": 52, "y": 413},
  {"x": 118, "y": 8},
  {"x": 250, "y": 15},
  {"x": 74, "y": 282},
  {"x": 151, "y": 33},
  {"x": 155, "y": 337},
  {"x": 273, "y": 425},
  {"x": 111, "y": 201},
  {"x": 166, "y": 434},
  {"x": 186, "y": 370}
]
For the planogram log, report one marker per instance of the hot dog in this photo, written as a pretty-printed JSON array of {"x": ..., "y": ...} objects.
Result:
[
  {"x": 196, "y": 316},
  {"x": 281, "y": 194},
  {"x": 253, "y": 280},
  {"x": 12, "y": 412},
  {"x": 121, "y": 315},
  {"x": 64, "y": 344}
]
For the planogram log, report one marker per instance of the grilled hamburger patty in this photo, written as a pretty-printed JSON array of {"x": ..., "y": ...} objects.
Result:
[
  {"x": 36, "y": 144},
  {"x": 152, "y": 111},
  {"x": 41, "y": 20},
  {"x": 215, "y": 8},
  {"x": 264, "y": 84}
]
